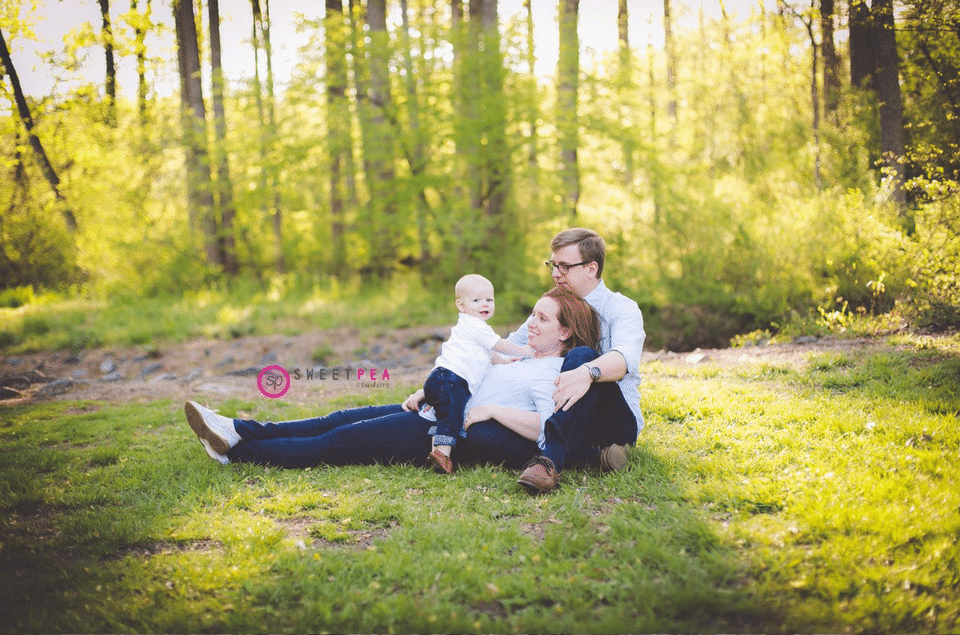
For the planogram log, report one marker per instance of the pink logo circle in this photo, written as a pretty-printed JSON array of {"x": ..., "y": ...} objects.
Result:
[{"x": 273, "y": 382}]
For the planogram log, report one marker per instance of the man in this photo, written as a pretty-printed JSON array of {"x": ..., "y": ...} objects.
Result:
[{"x": 597, "y": 397}]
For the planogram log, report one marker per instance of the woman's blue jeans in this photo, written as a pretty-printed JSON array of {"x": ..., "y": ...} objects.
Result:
[{"x": 358, "y": 436}]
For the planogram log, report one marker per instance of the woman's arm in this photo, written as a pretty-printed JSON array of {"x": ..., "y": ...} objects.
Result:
[{"x": 526, "y": 424}]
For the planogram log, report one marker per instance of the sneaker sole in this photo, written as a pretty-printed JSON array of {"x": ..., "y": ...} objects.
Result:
[{"x": 199, "y": 425}]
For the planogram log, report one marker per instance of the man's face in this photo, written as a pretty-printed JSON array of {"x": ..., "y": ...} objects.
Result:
[{"x": 581, "y": 279}]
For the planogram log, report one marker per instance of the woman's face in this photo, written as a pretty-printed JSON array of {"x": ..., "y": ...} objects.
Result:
[{"x": 544, "y": 332}]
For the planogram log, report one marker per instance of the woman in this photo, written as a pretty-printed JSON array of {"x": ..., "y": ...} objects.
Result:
[{"x": 516, "y": 397}]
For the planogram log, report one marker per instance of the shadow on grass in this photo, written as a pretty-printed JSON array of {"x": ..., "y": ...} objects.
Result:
[{"x": 158, "y": 538}]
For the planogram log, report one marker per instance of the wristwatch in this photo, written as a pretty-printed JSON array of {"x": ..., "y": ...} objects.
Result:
[{"x": 594, "y": 372}]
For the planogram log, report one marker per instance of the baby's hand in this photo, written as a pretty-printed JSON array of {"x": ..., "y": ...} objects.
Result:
[{"x": 528, "y": 351}]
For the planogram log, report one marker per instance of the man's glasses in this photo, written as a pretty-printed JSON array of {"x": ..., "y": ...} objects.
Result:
[{"x": 563, "y": 267}]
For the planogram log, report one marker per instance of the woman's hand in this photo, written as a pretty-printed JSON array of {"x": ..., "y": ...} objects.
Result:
[
  {"x": 480, "y": 413},
  {"x": 571, "y": 386},
  {"x": 412, "y": 403}
]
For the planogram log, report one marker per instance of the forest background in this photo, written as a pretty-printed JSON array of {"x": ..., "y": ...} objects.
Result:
[{"x": 790, "y": 168}]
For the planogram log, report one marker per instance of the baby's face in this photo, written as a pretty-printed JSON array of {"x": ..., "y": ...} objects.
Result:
[{"x": 477, "y": 300}]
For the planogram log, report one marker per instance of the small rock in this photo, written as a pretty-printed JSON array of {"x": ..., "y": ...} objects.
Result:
[
  {"x": 114, "y": 376},
  {"x": 252, "y": 371},
  {"x": 108, "y": 366},
  {"x": 268, "y": 358},
  {"x": 226, "y": 362},
  {"x": 152, "y": 368},
  {"x": 806, "y": 339},
  {"x": 195, "y": 373},
  {"x": 163, "y": 377},
  {"x": 696, "y": 357},
  {"x": 56, "y": 387},
  {"x": 9, "y": 393},
  {"x": 73, "y": 359},
  {"x": 14, "y": 361}
]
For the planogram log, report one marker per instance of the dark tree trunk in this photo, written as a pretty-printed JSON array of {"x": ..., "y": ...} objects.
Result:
[
  {"x": 831, "y": 61},
  {"x": 111, "y": 69},
  {"x": 890, "y": 98},
  {"x": 24, "y": 110},
  {"x": 568, "y": 87},
  {"x": 226, "y": 240},
  {"x": 199, "y": 190}
]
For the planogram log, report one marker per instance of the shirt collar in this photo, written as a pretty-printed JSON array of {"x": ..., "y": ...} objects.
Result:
[{"x": 597, "y": 293}]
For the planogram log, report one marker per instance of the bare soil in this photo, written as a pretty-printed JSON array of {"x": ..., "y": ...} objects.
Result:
[{"x": 321, "y": 364}]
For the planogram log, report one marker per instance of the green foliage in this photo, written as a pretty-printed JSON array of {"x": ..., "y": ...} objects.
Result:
[
  {"x": 752, "y": 495},
  {"x": 727, "y": 217}
]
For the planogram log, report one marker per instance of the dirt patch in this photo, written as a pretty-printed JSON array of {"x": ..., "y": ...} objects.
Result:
[{"x": 322, "y": 365}]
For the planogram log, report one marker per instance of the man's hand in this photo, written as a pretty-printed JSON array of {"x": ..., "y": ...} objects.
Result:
[
  {"x": 412, "y": 403},
  {"x": 571, "y": 386}
]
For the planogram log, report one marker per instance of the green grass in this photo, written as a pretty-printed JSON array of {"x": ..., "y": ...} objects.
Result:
[
  {"x": 759, "y": 499},
  {"x": 51, "y": 322}
]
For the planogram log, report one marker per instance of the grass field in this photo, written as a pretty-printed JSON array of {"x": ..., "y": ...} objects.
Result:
[{"x": 758, "y": 499}]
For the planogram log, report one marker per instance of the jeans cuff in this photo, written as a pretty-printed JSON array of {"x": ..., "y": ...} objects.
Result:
[{"x": 439, "y": 439}]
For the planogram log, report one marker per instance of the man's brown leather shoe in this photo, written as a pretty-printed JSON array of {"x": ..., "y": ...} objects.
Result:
[
  {"x": 539, "y": 476},
  {"x": 613, "y": 458}
]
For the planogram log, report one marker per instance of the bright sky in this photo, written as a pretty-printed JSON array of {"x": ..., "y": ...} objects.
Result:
[{"x": 56, "y": 18}]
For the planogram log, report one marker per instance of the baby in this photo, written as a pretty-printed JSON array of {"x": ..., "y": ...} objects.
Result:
[{"x": 463, "y": 360}]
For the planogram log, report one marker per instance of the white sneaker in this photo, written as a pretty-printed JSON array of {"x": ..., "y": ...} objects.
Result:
[
  {"x": 219, "y": 458},
  {"x": 215, "y": 429}
]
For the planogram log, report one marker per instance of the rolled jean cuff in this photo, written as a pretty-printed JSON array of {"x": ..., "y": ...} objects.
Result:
[{"x": 439, "y": 439}]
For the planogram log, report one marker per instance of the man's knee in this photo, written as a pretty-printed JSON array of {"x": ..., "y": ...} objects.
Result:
[{"x": 578, "y": 357}]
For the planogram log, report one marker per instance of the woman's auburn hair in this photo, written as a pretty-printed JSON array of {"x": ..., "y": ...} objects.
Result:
[{"x": 578, "y": 316}]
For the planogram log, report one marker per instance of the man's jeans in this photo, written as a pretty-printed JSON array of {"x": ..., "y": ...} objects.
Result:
[{"x": 599, "y": 419}]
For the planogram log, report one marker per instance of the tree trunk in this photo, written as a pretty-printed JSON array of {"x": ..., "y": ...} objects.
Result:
[
  {"x": 226, "y": 240},
  {"x": 140, "y": 43},
  {"x": 338, "y": 130},
  {"x": 111, "y": 68},
  {"x": 24, "y": 110},
  {"x": 670, "y": 49},
  {"x": 380, "y": 152},
  {"x": 889, "y": 96},
  {"x": 268, "y": 122},
  {"x": 199, "y": 191},
  {"x": 831, "y": 62},
  {"x": 863, "y": 64},
  {"x": 416, "y": 155},
  {"x": 625, "y": 87},
  {"x": 533, "y": 98},
  {"x": 568, "y": 125}
]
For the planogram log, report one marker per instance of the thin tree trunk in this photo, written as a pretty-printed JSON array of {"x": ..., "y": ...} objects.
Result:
[
  {"x": 268, "y": 120},
  {"x": 891, "y": 102},
  {"x": 670, "y": 49},
  {"x": 338, "y": 129},
  {"x": 533, "y": 99},
  {"x": 226, "y": 240},
  {"x": 417, "y": 153},
  {"x": 199, "y": 190},
  {"x": 111, "y": 68},
  {"x": 568, "y": 85},
  {"x": 41, "y": 155},
  {"x": 625, "y": 86},
  {"x": 140, "y": 39},
  {"x": 831, "y": 62},
  {"x": 380, "y": 153}
]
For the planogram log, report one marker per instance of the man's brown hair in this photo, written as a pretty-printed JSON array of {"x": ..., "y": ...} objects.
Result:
[{"x": 591, "y": 245}]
